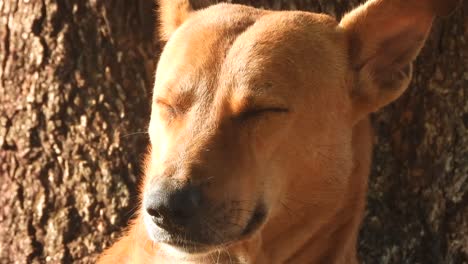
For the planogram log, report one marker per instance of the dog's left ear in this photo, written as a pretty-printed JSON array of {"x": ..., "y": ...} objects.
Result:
[
  {"x": 385, "y": 36},
  {"x": 172, "y": 13}
]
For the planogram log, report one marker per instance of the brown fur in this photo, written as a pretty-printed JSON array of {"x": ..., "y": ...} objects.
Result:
[{"x": 271, "y": 107}]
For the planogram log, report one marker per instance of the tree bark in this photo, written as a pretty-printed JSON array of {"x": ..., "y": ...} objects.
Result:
[{"x": 75, "y": 85}]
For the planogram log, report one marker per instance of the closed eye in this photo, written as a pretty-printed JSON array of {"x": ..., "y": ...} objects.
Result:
[
  {"x": 166, "y": 106},
  {"x": 254, "y": 113}
]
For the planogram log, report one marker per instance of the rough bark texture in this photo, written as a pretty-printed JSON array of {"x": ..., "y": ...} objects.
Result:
[
  {"x": 75, "y": 78},
  {"x": 75, "y": 81}
]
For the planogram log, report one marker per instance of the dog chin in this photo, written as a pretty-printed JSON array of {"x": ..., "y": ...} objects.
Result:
[{"x": 185, "y": 253}]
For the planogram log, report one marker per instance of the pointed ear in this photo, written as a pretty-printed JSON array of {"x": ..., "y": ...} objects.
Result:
[
  {"x": 172, "y": 13},
  {"x": 385, "y": 36}
]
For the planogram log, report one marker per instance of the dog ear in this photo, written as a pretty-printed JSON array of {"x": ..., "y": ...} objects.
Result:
[
  {"x": 172, "y": 13},
  {"x": 385, "y": 36}
]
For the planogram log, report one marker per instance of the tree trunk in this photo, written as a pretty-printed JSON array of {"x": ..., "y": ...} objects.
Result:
[{"x": 75, "y": 84}]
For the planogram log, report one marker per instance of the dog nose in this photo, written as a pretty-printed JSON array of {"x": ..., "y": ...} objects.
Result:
[{"x": 173, "y": 207}]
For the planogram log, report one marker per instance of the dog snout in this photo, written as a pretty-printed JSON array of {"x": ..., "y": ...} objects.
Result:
[{"x": 173, "y": 207}]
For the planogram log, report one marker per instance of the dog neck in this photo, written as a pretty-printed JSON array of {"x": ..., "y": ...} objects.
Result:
[{"x": 328, "y": 240}]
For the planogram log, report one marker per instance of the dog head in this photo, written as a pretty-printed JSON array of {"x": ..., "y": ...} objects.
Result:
[{"x": 252, "y": 107}]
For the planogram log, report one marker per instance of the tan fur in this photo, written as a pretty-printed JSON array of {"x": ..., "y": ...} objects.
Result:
[{"x": 306, "y": 157}]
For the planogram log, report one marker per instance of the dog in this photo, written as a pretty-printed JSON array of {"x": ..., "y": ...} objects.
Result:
[{"x": 260, "y": 137}]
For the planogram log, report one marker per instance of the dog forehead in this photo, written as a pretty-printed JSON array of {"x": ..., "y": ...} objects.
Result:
[
  {"x": 210, "y": 32},
  {"x": 281, "y": 49},
  {"x": 195, "y": 52},
  {"x": 226, "y": 45},
  {"x": 284, "y": 33}
]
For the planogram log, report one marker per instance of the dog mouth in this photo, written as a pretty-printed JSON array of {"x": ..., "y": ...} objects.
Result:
[
  {"x": 196, "y": 244},
  {"x": 258, "y": 217}
]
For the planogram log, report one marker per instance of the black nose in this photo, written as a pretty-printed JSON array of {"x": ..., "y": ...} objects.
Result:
[{"x": 171, "y": 207}]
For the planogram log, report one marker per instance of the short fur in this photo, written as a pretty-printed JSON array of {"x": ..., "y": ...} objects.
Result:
[{"x": 271, "y": 108}]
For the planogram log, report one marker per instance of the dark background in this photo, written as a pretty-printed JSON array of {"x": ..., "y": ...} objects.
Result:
[{"x": 75, "y": 86}]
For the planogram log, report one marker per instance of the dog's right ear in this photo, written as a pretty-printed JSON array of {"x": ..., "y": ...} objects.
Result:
[{"x": 172, "y": 13}]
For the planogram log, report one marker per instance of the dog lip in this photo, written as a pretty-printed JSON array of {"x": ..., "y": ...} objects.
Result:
[
  {"x": 255, "y": 221},
  {"x": 182, "y": 243},
  {"x": 196, "y": 246},
  {"x": 161, "y": 235}
]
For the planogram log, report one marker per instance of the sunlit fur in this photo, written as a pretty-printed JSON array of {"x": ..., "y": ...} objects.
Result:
[{"x": 270, "y": 108}]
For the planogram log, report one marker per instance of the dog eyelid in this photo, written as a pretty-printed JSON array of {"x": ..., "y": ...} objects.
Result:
[
  {"x": 165, "y": 104},
  {"x": 251, "y": 113}
]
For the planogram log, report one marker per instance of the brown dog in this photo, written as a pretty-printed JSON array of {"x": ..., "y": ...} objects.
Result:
[{"x": 261, "y": 144}]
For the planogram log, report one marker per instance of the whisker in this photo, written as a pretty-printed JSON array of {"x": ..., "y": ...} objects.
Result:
[
  {"x": 336, "y": 159},
  {"x": 288, "y": 210},
  {"x": 219, "y": 255},
  {"x": 228, "y": 222},
  {"x": 300, "y": 201},
  {"x": 229, "y": 256},
  {"x": 332, "y": 145},
  {"x": 208, "y": 179},
  {"x": 242, "y": 201},
  {"x": 134, "y": 133},
  {"x": 212, "y": 258},
  {"x": 213, "y": 231},
  {"x": 132, "y": 212},
  {"x": 241, "y": 209}
]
